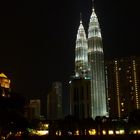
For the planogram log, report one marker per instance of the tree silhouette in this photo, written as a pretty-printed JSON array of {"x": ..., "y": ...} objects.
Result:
[{"x": 12, "y": 113}]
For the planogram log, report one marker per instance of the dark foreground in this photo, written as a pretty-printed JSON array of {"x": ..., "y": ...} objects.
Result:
[{"x": 124, "y": 137}]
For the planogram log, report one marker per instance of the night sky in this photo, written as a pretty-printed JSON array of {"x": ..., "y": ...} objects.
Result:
[{"x": 37, "y": 38}]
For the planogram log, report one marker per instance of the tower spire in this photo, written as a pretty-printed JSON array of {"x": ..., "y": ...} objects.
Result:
[
  {"x": 81, "y": 51},
  {"x": 92, "y": 4},
  {"x": 93, "y": 11},
  {"x": 80, "y": 17}
]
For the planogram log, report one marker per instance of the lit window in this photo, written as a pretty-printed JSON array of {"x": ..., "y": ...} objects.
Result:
[
  {"x": 58, "y": 133},
  {"x": 104, "y": 132},
  {"x": 76, "y": 132},
  {"x": 42, "y": 132},
  {"x": 110, "y": 132},
  {"x": 122, "y": 132},
  {"x": 117, "y": 132},
  {"x": 138, "y": 131},
  {"x": 92, "y": 132},
  {"x": 135, "y": 132}
]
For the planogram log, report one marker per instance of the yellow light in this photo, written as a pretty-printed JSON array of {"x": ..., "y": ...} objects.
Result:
[
  {"x": 3, "y": 94},
  {"x": 42, "y": 132},
  {"x": 76, "y": 132},
  {"x": 58, "y": 133},
  {"x": 135, "y": 132},
  {"x": 138, "y": 131},
  {"x": 104, "y": 132},
  {"x": 18, "y": 133},
  {"x": 4, "y": 82},
  {"x": 92, "y": 132},
  {"x": 110, "y": 132},
  {"x": 46, "y": 126},
  {"x": 3, "y": 75},
  {"x": 117, "y": 132},
  {"x": 122, "y": 132}
]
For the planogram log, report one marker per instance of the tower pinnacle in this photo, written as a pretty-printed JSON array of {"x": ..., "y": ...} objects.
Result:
[
  {"x": 80, "y": 17},
  {"x": 81, "y": 52},
  {"x": 92, "y": 4}
]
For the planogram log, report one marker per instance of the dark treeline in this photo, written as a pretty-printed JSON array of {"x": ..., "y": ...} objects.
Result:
[{"x": 124, "y": 137}]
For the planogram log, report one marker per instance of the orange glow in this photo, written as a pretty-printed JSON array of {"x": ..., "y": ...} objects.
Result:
[
  {"x": 92, "y": 132},
  {"x": 4, "y": 81}
]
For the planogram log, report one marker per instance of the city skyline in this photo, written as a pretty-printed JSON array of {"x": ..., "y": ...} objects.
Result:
[{"x": 38, "y": 39}]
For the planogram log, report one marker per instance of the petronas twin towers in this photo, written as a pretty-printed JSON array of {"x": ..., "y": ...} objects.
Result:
[{"x": 89, "y": 63}]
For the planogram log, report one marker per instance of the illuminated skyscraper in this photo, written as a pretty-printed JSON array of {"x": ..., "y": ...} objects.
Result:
[
  {"x": 97, "y": 69},
  {"x": 81, "y": 53},
  {"x": 89, "y": 66},
  {"x": 80, "y": 83},
  {"x": 123, "y": 86}
]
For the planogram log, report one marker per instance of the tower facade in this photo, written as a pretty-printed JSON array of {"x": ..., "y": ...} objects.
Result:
[
  {"x": 123, "y": 86},
  {"x": 34, "y": 109},
  {"x": 97, "y": 69},
  {"x": 80, "y": 98},
  {"x": 81, "y": 56},
  {"x": 54, "y": 102},
  {"x": 89, "y": 68}
]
